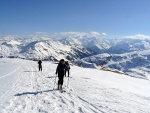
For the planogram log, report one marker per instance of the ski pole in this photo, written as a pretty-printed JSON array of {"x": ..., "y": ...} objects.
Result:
[
  {"x": 55, "y": 81},
  {"x": 68, "y": 80}
]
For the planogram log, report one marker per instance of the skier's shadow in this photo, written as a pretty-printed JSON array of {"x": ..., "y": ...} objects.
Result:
[
  {"x": 30, "y": 71},
  {"x": 85, "y": 78},
  {"x": 33, "y": 93},
  {"x": 51, "y": 77}
]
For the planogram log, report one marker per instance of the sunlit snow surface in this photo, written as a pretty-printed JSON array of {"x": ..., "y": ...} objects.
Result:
[{"x": 26, "y": 90}]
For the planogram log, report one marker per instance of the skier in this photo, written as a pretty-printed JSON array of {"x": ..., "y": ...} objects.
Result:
[
  {"x": 61, "y": 72},
  {"x": 40, "y": 65},
  {"x": 67, "y": 70}
]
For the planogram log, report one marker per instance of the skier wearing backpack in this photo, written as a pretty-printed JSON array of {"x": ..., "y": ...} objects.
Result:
[
  {"x": 60, "y": 70},
  {"x": 40, "y": 65},
  {"x": 67, "y": 70}
]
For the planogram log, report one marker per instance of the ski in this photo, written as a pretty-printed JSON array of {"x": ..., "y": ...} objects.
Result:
[{"x": 62, "y": 91}]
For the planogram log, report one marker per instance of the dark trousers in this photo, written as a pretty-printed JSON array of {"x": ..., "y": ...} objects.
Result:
[
  {"x": 67, "y": 71},
  {"x": 60, "y": 77},
  {"x": 40, "y": 67}
]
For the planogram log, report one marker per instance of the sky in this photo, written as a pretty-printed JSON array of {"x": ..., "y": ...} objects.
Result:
[{"x": 113, "y": 17}]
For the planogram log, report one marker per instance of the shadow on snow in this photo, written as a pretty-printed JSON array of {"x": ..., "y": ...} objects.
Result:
[
  {"x": 33, "y": 93},
  {"x": 51, "y": 77},
  {"x": 30, "y": 71}
]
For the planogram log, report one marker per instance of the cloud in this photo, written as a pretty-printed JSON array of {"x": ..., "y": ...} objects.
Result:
[
  {"x": 104, "y": 34},
  {"x": 72, "y": 33},
  {"x": 94, "y": 33},
  {"x": 97, "y": 34},
  {"x": 80, "y": 34},
  {"x": 41, "y": 32},
  {"x": 138, "y": 36}
]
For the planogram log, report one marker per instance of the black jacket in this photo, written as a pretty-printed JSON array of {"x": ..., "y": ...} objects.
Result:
[
  {"x": 67, "y": 66},
  {"x": 39, "y": 62},
  {"x": 61, "y": 67}
]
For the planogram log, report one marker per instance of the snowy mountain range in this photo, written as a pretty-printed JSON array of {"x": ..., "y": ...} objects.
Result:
[
  {"x": 124, "y": 54},
  {"x": 107, "y": 84}
]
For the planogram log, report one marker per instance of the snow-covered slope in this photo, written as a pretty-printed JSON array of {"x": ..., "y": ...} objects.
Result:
[
  {"x": 25, "y": 90},
  {"x": 70, "y": 48},
  {"x": 136, "y": 63},
  {"x": 94, "y": 44},
  {"x": 129, "y": 45},
  {"x": 46, "y": 49}
]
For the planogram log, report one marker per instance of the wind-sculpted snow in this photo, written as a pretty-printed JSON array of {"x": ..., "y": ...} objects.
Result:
[{"x": 26, "y": 90}]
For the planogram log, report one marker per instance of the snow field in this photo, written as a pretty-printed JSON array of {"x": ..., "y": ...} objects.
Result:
[{"x": 26, "y": 90}]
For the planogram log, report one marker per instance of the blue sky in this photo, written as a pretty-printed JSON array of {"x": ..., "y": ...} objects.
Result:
[{"x": 114, "y": 17}]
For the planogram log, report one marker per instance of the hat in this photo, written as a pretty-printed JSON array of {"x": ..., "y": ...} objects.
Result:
[{"x": 62, "y": 60}]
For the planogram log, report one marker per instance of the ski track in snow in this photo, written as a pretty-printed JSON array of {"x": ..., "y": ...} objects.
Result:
[
  {"x": 32, "y": 92},
  {"x": 10, "y": 72},
  {"x": 11, "y": 89}
]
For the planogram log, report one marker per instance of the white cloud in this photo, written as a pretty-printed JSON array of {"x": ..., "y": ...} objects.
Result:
[
  {"x": 80, "y": 34},
  {"x": 95, "y": 33},
  {"x": 138, "y": 36},
  {"x": 72, "y": 33},
  {"x": 41, "y": 32},
  {"x": 104, "y": 34}
]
